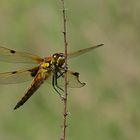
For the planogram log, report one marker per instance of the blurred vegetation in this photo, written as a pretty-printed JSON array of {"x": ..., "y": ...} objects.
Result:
[{"x": 107, "y": 108}]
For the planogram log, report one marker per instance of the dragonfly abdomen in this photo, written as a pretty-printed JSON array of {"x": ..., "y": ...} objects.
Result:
[{"x": 37, "y": 82}]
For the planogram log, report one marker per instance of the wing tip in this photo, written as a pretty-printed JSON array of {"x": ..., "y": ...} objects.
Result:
[{"x": 100, "y": 45}]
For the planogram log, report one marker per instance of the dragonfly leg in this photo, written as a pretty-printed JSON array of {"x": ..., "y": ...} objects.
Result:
[
  {"x": 55, "y": 81},
  {"x": 54, "y": 86},
  {"x": 58, "y": 86},
  {"x": 61, "y": 74}
]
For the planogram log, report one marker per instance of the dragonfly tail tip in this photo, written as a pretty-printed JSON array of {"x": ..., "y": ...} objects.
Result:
[{"x": 16, "y": 107}]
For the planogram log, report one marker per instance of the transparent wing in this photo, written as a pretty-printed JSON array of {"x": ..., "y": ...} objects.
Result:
[
  {"x": 72, "y": 77},
  {"x": 83, "y": 51},
  {"x": 9, "y": 55},
  {"x": 18, "y": 76}
]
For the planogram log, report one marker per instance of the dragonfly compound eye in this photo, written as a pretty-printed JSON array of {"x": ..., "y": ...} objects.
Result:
[
  {"x": 58, "y": 58},
  {"x": 57, "y": 55},
  {"x": 61, "y": 60}
]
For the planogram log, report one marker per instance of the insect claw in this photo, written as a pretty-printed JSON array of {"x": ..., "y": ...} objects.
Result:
[{"x": 62, "y": 97}]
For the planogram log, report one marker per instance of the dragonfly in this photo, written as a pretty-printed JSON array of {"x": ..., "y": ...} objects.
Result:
[{"x": 51, "y": 69}]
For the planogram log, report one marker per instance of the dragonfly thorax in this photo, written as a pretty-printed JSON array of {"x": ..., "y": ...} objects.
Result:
[{"x": 58, "y": 59}]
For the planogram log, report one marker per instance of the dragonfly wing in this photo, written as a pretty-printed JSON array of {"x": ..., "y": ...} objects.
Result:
[
  {"x": 9, "y": 55},
  {"x": 83, "y": 51},
  {"x": 18, "y": 76},
  {"x": 72, "y": 79}
]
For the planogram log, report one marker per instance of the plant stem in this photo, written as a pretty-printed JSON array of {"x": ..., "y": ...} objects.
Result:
[{"x": 65, "y": 112}]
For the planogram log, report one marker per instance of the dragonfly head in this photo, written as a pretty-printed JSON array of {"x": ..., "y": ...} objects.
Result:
[{"x": 58, "y": 59}]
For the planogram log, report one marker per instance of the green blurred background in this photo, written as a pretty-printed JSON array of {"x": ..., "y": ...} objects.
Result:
[{"x": 107, "y": 108}]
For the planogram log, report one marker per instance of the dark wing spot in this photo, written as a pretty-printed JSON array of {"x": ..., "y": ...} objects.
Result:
[
  {"x": 76, "y": 74},
  {"x": 14, "y": 72},
  {"x": 34, "y": 71},
  {"x": 12, "y": 51}
]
